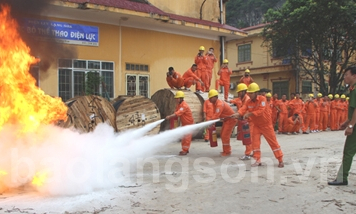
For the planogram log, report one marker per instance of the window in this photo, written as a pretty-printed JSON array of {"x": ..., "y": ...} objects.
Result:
[
  {"x": 244, "y": 53},
  {"x": 281, "y": 88},
  {"x": 137, "y": 85},
  {"x": 81, "y": 77},
  {"x": 136, "y": 67},
  {"x": 307, "y": 86}
]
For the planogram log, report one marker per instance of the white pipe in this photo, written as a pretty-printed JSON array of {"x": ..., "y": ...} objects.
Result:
[{"x": 221, "y": 12}]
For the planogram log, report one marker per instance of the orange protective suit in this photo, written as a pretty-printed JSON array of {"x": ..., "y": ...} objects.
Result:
[
  {"x": 324, "y": 115},
  {"x": 224, "y": 80},
  {"x": 317, "y": 113},
  {"x": 291, "y": 126},
  {"x": 190, "y": 78},
  {"x": 186, "y": 118},
  {"x": 283, "y": 115},
  {"x": 342, "y": 116},
  {"x": 261, "y": 125},
  {"x": 201, "y": 62},
  {"x": 247, "y": 80},
  {"x": 239, "y": 103},
  {"x": 297, "y": 107},
  {"x": 274, "y": 111},
  {"x": 209, "y": 69},
  {"x": 175, "y": 80},
  {"x": 208, "y": 110},
  {"x": 223, "y": 110},
  {"x": 334, "y": 125},
  {"x": 310, "y": 108}
]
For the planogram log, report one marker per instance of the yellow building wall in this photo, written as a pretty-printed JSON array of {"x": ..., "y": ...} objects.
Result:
[
  {"x": 190, "y": 8},
  {"x": 155, "y": 49}
]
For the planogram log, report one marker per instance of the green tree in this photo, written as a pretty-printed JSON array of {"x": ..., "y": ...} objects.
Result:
[
  {"x": 245, "y": 13},
  {"x": 318, "y": 36},
  {"x": 92, "y": 83}
]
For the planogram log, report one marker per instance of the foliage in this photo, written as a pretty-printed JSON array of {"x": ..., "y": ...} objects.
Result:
[
  {"x": 92, "y": 83},
  {"x": 245, "y": 13},
  {"x": 318, "y": 36}
]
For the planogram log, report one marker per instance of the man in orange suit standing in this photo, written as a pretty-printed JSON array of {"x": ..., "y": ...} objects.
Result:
[
  {"x": 224, "y": 73},
  {"x": 209, "y": 67},
  {"x": 201, "y": 61},
  {"x": 255, "y": 109},
  {"x": 186, "y": 117},
  {"x": 222, "y": 110}
]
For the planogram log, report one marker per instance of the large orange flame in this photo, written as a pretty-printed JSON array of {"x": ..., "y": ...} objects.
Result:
[{"x": 21, "y": 102}]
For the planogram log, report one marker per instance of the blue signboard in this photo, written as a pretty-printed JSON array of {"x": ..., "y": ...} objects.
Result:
[{"x": 62, "y": 32}]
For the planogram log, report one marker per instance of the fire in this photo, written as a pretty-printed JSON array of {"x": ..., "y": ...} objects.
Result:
[
  {"x": 39, "y": 178},
  {"x": 2, "y": 173},
  {"x": 21, "y": 101}
]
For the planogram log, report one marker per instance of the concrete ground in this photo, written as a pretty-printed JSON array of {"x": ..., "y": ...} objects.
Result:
[{"x": 204, "y": 182}]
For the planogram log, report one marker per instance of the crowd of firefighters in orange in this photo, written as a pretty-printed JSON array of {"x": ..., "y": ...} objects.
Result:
[{"x": 262, "y": 110}]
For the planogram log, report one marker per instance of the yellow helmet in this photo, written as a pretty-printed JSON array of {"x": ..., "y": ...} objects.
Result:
[
  {"x": 253, "y": 87},
  {"x": 241, "y": 87},
  {"x": 347, "y": 98},
  {"x": 268, "y": 95},
  {"x": 247, "y": 71},
  {"x": 213, "y": 93},
  {"x": 336, "y": 96},
  {"x": 202, "y": 48},
  {"x": 311, "y": 95},
  {"x": 225, "y": 61},
  {"x": 320, "y": 94},
  {"x": 179, "y": 94},
  {"x": 330, "y": 96},
  {"x": 343, "y": 96}
]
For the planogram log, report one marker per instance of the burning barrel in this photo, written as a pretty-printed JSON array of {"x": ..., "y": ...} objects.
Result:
[
  {"x": 134, "y": 112},
  {"x": 86, "y": 112},
  {"x": 164, "y": 100}
]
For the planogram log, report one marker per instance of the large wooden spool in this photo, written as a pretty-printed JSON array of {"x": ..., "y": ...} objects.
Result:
[
  {"x": 86, "y": 112},
  {"x": 164, "y": 100},
  {"x": 135, "y": 112}
]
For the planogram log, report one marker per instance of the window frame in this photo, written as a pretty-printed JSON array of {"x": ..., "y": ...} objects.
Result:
[
  {"x": 137, "y": 82},
  {"x": 244, "y": 54}
]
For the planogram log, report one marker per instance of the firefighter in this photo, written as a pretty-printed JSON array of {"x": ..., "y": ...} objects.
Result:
[
  {"x": 334, "y": 124},
  {"x": 209, "y": 67},
  {"x": 324, "y": 114},
  {"x": 239, "y": 102},
  {"x": 283, "y": 114},
  {"x": 223, "y": 111},
  {"x": 310, "y": 108},
  {"x": 255, "y": 109},
  {"x": 190, "y": 77},
  {"x": 224, "y": 80},
  {"x": 274, "y": 109},
  {"x": 319, "y": 101},
  {"x": 293, "y": 124},
  {"x": 201, "y": 61},
  {"x": 208, "y": 115},
  {"x": 343, "y": 107},
  {"x": 270, "y": 105},
  {"x": 296, "y": 106},
  {"x": 183, "y": 111},
  {"x": 246, "y": 78},
  {"x": 174, "y": 79}
]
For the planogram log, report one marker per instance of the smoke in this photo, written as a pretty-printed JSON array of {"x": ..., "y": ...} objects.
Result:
[
  {"x": 69, "y": 163},
  {"x": 48, "y": 51}
]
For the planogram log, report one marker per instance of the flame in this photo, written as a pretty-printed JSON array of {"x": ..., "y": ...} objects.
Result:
[
  {"x": 39, "y": 179},
  {"x": 2, "y": 173},
  {"x": 21, "y": 101}
]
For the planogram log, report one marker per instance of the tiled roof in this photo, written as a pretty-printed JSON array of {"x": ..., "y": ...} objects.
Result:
[
  {"x": 254, "y": 27},
  {"x": 142, "y": 6}
]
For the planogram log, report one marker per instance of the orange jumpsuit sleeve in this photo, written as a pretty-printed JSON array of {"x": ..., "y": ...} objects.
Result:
[
  {"x": 261, "y": 108},
  {"x": 219, "y": 107}
]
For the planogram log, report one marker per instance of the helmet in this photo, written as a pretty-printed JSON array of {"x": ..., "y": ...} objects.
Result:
[
  {"x": 320, "y": 94},
  {"x": 330, "y": 96},
  {"x": 343, "y": 96},
  {"x": 311, "y": 95},
  {"x": 268, "y": 95},
  {"x": 241, "y": 87},
  {"x": 213, "y": 93},
  {"x": 201, "y": 48},
  {"x": 336, "y": 96},
  {"x": 347, "y": 98},
  {"x": 253, "y": 87},
  {"x": 225, "y": 61},
  {"x": 179, "y": 94},
  {"x": 247, "y": 71}
]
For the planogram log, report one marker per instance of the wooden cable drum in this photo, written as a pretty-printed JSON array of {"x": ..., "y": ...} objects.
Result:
[
  {"x": 135, "y": 112},
  {"x": 164, "y": 100},
  {"x": 86, "y": 112}
]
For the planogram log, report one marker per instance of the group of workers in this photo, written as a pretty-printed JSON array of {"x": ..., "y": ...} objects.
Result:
[
  {"x": 254, "y": 109},
  {"x": 263, "y": 111},
  {"x": 315, "y": 114},
  {"x": 201, "y": 72}
]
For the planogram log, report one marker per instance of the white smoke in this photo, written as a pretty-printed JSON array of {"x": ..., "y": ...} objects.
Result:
[{"x": 74, "y": 163}]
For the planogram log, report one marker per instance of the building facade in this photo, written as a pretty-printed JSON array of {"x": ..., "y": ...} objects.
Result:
[{"x": 129, "y": 44}]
